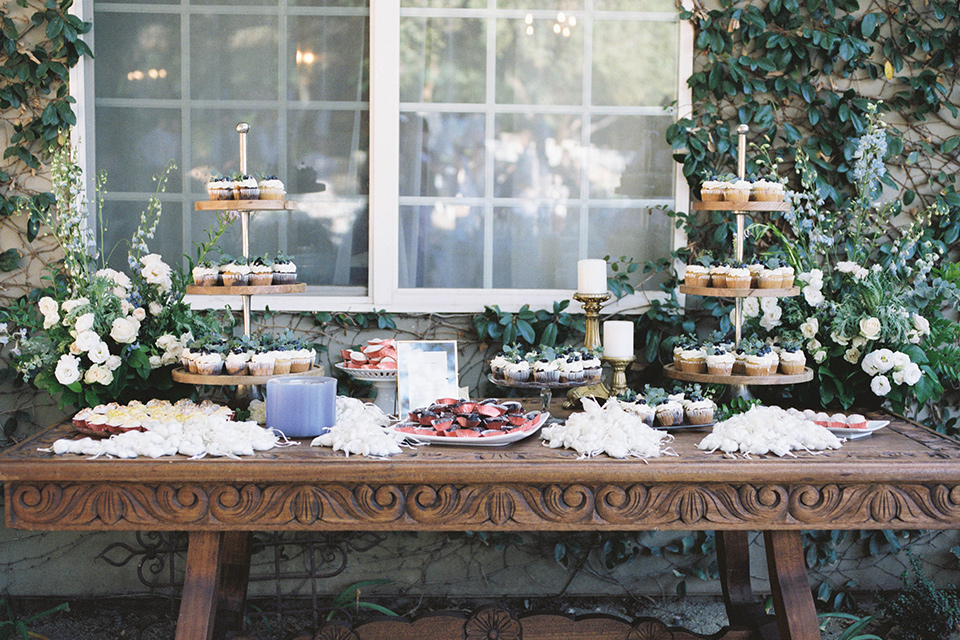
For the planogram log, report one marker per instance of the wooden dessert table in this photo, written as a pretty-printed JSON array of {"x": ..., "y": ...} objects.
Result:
[{"x": 901, "y": 477}]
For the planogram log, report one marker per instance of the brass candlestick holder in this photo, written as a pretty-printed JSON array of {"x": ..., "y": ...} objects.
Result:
[
  {"x": 618, "y": 382},
  {"x": 592, "y": 303}
]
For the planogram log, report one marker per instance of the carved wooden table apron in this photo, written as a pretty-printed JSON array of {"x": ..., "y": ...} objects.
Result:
[{"x": 902, "y": 477}]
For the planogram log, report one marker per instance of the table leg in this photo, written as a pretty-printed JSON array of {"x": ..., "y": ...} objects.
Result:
[
  {"x": 200, "y": 586},
  {"x": 234, "y": 575},
  {"x": 792, "y": 600},
  {"x": 743, "y": 608}
]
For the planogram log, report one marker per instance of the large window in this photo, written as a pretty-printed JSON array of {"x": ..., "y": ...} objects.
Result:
[{"x": 471, "y": 157}]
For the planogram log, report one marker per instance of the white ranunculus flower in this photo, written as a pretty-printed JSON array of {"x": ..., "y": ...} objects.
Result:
[
  {"x": 124, "y": 330},
  {"x": 885, "y": 360},
  {"x": 98, "y": 374},
  {"x": 87, "y": 340},
  {"x": 751, "y": 307},
  {"x": 113, "y": 363},
  {"x": 921, "y": 324},
  {"x": 820, "y": 356},
  {"x": 880, "y": 385},
  {"x": 99, "y": 353},
  {"x": 84, "y": 323},
  {"x": 155, "y": 362},
  {"x": 899, "y": 359},
  {"x": 869, "y": 364},
  {"x": 68, "y": 370},
  {"x": 155, "y": 308},
  {"x": 852, "y": 355},
  {"x": 813, "y": 296},
  {"x": 870, "y": 328},
  {"x": 912, "y": 373},
  {"x": 810, "y": 328},
  {"x": 839, "y": 339}
]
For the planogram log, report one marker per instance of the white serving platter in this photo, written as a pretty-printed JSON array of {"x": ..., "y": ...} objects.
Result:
[
  {"x": 854, "y": 434},
  {"x": 489, "y": 441}
]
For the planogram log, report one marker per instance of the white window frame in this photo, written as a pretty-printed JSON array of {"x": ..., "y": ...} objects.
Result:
[{"x": 383, "y": 290}]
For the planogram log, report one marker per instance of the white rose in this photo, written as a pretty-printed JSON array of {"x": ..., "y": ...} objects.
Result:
[
  {"x": 140, "y": 314},
  {"x": 155, "y": 362},
  {"x": 99, "y": 353},
  {"x": 810, "y": 328},
  {"x": 84, "y": 323},
  {"x": 869, "y": 364},
  {"x": 880, "y": 386},
  {"x": 913, "y": 336},
  {"x": 126, "y": 308},
  {"x": 113, "y": 363},
  {"x": 169, "y": 358},
  {"x": 150, "y": 258},
  {"x": 68, "y": 370},
  {"x": 157, "y": 272},
  {"x": 124, "y": 330},
  {"x": 839, "y": 339},
  {"x": 751, "y": 307},
  {"x": 870, "y": 328},
  {"x": 771, "y": 318},
  {"x": 51, "y": 320},
  {"x": 98, "y": 374},
  {"x": 166, "y": 340},
  {"x": 74, "y": 349},
  {"x": 815, "y": 278},
  {"x": 813, "y": 296},
  {"x": 768, "y": 304},
  {"x": 885, "y": 360},
  {"x": 155, "y": 308},
  {"x": 813, "y": 345},
  {"x": 48, "y": 306},
  {"x": 858, "y": 341},
  {"x": 87, "y": 340},
  {"x": 186, "y": 338},
  {"x": 912, "y": 374},
  {"x": 921, "y": 324},
  {"x": 70, "y": 305},
  {"x": 852, "y": 355},
  {"x": 820, "y": 356},
  {"x": 175, "y": 350}
]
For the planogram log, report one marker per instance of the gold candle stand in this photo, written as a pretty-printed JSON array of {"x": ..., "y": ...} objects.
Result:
[
  {"x": 592, "y": 303},
  {"x": 618, "y": 381}
]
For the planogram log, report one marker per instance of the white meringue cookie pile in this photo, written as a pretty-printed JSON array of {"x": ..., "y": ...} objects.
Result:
[
  {"x": 763, "y": 430},
  {"x": 360, "y": 429},
  {"x": 608, "y": 429},
  {"x": 201, "y": 436}
]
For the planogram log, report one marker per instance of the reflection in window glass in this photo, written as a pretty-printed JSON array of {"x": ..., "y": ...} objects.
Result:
[
  {"x": 545, "y": 237},
  {"x": 441, "y": 245},
  {"x": 567, "y": 5},
  {"x": 638, "y": 232},
  {"x": 628, "y": 158},
  {"x": 536, "y": 64},
  {"x": 443, "y": 154},
  {"x": 665, "y": 6},
  {"x": 144, "y": 61},
  {"x": 634, "y": 63},
  {"x": 538, "y": 157},
  {"x": 299, "y": 78},
  {"x": 442, "y": 60}
]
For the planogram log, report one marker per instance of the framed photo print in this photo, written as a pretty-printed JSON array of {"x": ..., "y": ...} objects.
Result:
[{"x": 426, "y": 372}]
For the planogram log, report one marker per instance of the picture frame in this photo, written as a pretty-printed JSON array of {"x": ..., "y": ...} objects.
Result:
[{"x": 427, "y": 370}]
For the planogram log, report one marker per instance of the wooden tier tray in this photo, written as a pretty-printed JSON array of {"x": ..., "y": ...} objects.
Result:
[
  {"x": 721, "y": 292},
  {"x": 741, "y": 206},
  {"x": 180, "y": 375},
  {"x": 246, "y": 290},
  {"x": 243, "y": 205},
  {"x": 761, "y": 381}
]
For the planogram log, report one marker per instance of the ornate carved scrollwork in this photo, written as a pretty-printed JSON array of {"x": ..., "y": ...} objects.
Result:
[
  {"x": 492, "y": 624},
  {"x": 507, "y": 506}
]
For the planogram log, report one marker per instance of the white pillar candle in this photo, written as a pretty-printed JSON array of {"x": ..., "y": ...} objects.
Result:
[
  {"x": 618, "y": 339},
  {"x": 301, "y": 406},
  {"x": 592, "y": 276}
]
